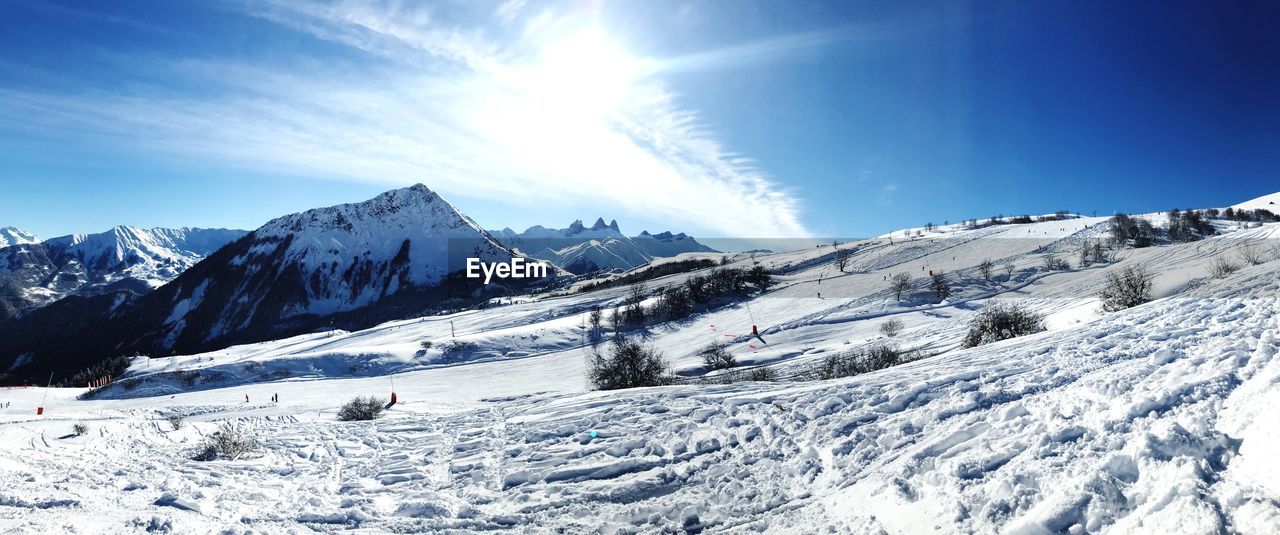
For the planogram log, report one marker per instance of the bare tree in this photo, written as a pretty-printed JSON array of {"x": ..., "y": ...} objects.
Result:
[
  {"x": 900, "y": 283},
  {"x": 842, "y": 259},
  {"x": 940, "y": 286},
  {"x": 1100, "y": 252},
  {"x": 891, "y": 328},
  {"x": 1008, "y": 270},
  {"x": 1053, "y": 263},
  {"x": 985, "y": 267},
  {"x": 595, "y": 323},
  {"x": 615, "y": 321},
  {"x": 634, "y": 313}
]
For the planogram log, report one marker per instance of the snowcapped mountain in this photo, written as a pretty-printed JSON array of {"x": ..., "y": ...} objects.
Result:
[
  {"x": 600, "y": 247},
  {"x": 351, "y": 255},
  {"x": 37, "y": 273},
  {"x": 346, "y": 265},
  {"x": 15, "y": 236}
]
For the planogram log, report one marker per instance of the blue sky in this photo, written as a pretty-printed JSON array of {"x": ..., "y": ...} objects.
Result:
[{"x": 736, "y": 118}]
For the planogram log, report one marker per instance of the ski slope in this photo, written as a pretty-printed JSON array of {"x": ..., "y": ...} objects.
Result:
[{"x": 1155, "y": 419}]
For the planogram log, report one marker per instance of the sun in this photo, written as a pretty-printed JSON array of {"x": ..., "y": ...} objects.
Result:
[{"x": 584, "y": 73}]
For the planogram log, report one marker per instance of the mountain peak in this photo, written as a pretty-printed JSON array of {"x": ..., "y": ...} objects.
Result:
[
  {"x": 15, "y": 236},
  {"x": 601, "y": 225}
]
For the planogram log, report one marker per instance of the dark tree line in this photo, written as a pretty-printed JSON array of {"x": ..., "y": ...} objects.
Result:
[
  {"x": 1188, "y": 226},
  {"x": 679, "y": 301}
]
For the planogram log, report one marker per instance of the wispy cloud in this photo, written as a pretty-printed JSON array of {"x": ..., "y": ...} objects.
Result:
[
  {"x": 451, "y": 102},
  {"x": 763, "y": 50}
]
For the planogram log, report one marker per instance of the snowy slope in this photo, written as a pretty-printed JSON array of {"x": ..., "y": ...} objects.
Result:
[
  {"x": 15, "y": 236},
  {"x": 1270, "y": 203},
  {"x": 35, "y": 274},
  {"x": 1155, "y": 419}
]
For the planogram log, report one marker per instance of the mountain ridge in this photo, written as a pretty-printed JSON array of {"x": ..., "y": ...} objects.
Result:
[
  {"x": 351, "y": 264},
  {"x": 600, "y": 247},
  {"x": 123, "y": 257}
]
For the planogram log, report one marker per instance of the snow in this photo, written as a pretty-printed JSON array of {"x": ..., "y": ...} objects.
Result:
[
  {"x": 1155, "y": 419},
  {"x": 334, "y": 239},
  {"x": 1266, "y": 202},
  {"x": 16, "y": 236},
  {"x": 86, "y": 264}
]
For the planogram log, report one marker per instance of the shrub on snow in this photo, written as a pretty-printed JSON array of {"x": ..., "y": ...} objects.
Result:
[
  {"x": 1221, "y": 269},
  {"x": 717, "y": 358},
  {"x": 1002, "y": 322},
  {"x": 891, "y": 328},
  {"x": 1128, "y": 288},
  {"x": 227, "y": 443},
  {"x": 626, "y": 364},
  {"x": 361, "y": 408},
  {"x": 871, "y": 358}
]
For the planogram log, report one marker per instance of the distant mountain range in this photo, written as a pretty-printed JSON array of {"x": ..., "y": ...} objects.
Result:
[
  {"x": 34, "y": 273},
  {"x": 601, "y": 247},
  {"x": 70, "y": 302},
  {"x": 351, "y": 265}
]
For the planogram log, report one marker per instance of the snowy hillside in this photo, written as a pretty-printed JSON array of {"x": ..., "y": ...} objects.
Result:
[
  {"x": 600, "y": 247},
  {"x": 1270, "y": 203},
  {"x": 37, "y": 273},
  {"x": 15, "y": 236},
  {"x": 1155, "y": 419},
  {"x": 350, "y": 264}
]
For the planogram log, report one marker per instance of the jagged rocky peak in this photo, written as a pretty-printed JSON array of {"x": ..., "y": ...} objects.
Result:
[{"x": 601, "y": 225}]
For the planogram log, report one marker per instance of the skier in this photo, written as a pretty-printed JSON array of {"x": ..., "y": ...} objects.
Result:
[{"x": 246, "y": 398}]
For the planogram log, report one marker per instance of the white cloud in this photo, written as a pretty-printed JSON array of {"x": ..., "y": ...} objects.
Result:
[{"x": 460, "y": 108}]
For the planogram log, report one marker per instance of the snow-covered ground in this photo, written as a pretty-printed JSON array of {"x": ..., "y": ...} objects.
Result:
[{"x": 1156, "y": 419}]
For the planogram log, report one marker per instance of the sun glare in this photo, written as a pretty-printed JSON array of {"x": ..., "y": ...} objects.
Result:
[{"x": 585, "y": 73}]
